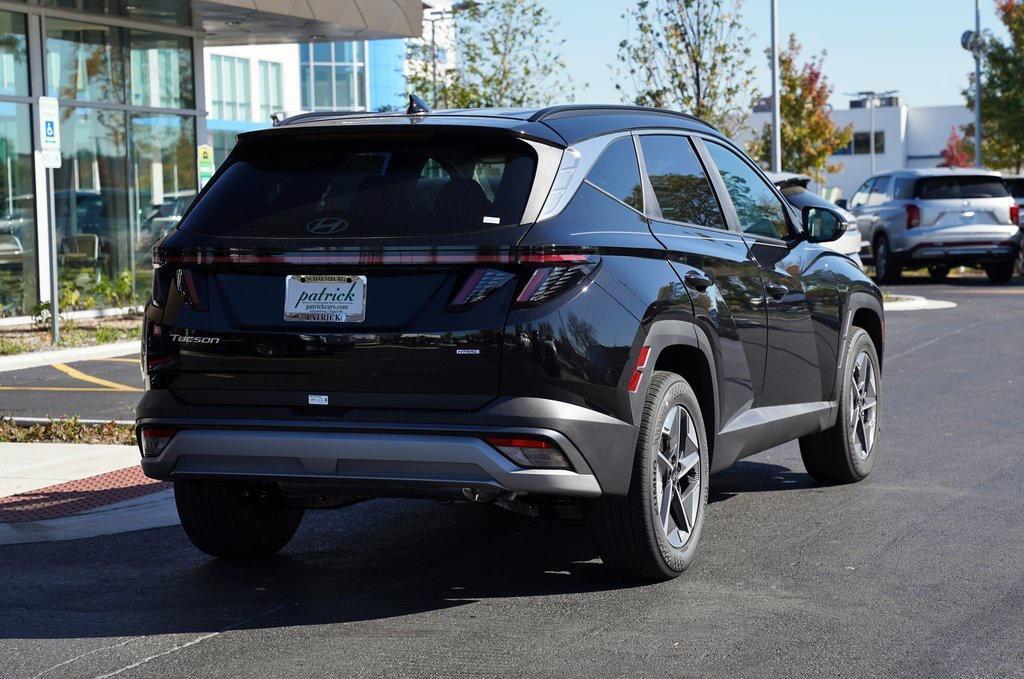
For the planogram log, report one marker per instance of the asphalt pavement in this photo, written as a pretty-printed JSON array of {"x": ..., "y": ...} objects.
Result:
[
  {"x": 99, "y": 389},
  {"x": 914, "y": 572}
]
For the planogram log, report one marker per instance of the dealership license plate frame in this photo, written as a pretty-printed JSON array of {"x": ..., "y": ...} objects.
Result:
[{"x": 325, "y": 310}]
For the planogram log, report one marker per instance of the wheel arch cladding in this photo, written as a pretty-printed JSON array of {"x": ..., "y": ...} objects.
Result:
[{"x": 870, "y": 319}]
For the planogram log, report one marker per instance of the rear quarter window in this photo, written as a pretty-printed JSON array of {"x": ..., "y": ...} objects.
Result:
[
  {"x": 960, "y": 187},
  {"x": 303, "y": 187}
]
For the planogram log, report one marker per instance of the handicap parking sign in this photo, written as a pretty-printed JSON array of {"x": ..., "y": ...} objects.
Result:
[{"x": 49, "y": 132}]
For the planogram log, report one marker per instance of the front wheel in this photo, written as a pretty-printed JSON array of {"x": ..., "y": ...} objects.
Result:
[
  {"x": 652, "y": 533},
  {"x": 846, "y": 452},
  {"x": 235, "y": 520}
]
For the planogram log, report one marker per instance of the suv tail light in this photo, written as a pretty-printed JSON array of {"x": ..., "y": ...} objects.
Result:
[
  {"x": 161, "y": 284},
  {"x": 557, "y": 273},
  {"x": 913, "y": 216},
  {"x": 1015, "y": 214},
  {"x": 478, "y": 285},
  {"x": 526, "y": 451},
  {"x": 153, "y": 440}
]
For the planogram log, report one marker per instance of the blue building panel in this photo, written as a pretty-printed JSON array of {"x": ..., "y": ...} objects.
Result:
[{"x": 386, "y": 62}]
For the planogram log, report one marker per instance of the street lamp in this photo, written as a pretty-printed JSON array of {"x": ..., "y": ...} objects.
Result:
[
  {"x": 973, "y": 42},
  {"x": 873, "y": 99},
  {"x": 776, "y": 163},
  {"x": 435, "y": 15}
]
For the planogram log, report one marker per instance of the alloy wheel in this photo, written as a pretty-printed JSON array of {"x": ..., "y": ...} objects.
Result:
[
  {"x": 863, "y": 405},
  {"x": 677, "y": 477}
]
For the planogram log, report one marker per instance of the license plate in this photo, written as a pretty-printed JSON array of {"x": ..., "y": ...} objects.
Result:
[{"x": 325, "y": 299}]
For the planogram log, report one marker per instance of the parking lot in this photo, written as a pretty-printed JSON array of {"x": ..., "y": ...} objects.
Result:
[
  {"x": 914, "y": 572},
  {"x": 95, "y": 389}
]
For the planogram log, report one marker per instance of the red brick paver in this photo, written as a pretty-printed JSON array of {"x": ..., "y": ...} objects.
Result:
[{"x": 75, "y": 497}]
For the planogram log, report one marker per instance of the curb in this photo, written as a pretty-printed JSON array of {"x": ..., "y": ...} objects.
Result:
[
  {"x": 916, "y": 303},
  {"x": 38, "y": 359}
]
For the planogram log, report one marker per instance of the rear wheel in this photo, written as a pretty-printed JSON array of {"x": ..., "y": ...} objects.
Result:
[
  {"x": 845, "y": 452},
  {"x": 235, "y": 520},
  {"x": 1001, "y": 272},
  {"x": 938, "y": 272},
  {"x": 652, "y": 532},
  {"x": 887, "y": 270}
]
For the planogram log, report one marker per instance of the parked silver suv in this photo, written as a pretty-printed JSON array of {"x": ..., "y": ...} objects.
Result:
[{"x": 938, "y": 218}]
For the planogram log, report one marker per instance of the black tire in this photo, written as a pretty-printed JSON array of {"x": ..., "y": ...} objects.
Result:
[
  {"x": 629, "y": 529},
  {"x": 1000, "y": 273},
  {"x": 887, "y": 269},
  {"x": 1019, "y": 266},
  {"x": 235, "y": 520},
  {"x": 938, "y": 272},
  {"x": 834, "y": 455}
]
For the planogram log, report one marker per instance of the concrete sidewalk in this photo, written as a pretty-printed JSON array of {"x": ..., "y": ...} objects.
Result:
[{"x": 57, "y": 491}]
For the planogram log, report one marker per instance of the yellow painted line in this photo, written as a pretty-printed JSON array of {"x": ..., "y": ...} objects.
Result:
[
  {"x": 64, "y": 389},
  {"x": 79, "y": 375}
]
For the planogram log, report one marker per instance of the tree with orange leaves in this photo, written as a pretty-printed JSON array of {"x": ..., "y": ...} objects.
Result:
[{"x": 957, "y": 152}]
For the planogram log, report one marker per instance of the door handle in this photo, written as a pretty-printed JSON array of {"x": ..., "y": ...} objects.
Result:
[
  {"x": 776, "y": 290},
  {"x": 697, "y": 280}
]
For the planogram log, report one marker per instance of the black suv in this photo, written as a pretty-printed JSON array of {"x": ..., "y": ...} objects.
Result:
[{"x": 569, "y": 311}]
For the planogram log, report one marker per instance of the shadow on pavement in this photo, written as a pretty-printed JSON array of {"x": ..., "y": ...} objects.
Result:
[{"x": 379, "y": 559}]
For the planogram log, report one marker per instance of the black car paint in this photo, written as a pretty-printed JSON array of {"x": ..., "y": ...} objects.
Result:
[{"x": 769, "y": 327}]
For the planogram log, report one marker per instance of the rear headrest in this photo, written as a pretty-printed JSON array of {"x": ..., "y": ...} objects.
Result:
[{"x": 462, "y": 202}]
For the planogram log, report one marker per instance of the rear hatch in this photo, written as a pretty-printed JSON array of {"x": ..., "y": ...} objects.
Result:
[
  {"x": 965, "y": 207},
  {"x": 335, "y": 271}
]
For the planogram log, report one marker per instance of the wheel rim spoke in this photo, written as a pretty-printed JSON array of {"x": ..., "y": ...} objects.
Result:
[{"x": 678, "y": 479}]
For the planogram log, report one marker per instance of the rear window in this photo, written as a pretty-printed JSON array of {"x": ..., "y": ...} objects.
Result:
[
  {"x": 1016, "y": 187},
  {"x": 387, "y": 187},
  {"x": 939, "y": 188}
]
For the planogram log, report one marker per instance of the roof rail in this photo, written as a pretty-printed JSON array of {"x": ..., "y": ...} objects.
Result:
[{"x": 553, "y": 110}]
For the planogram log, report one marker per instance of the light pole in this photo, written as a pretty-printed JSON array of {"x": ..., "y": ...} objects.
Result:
[
  {"x": 435, "y": 15},
  {"x": 873, "y": 99},
  {"x": 973, "y": 42},
  {"x": 776, "y": 115}
]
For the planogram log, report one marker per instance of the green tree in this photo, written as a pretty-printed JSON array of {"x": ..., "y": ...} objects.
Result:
[
  {"x": 1002, "y": 93},
  {"x": 809, "y": 135},
  {"x": 506, "y": 54},
  {"x": 688, "y": 55}
]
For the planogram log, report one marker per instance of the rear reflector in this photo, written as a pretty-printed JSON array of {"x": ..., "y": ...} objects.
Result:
[
  {"x": 153, "y": 440},
  {"x": 638, "y": 368},
  {"x": 529, "y": 452}
]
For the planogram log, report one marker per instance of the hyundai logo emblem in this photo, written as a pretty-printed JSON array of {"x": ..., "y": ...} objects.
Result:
[{"x": 326, "y": 226}]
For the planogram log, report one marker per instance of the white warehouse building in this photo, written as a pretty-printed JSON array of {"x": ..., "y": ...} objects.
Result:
[{"x": 905, "y": 137}]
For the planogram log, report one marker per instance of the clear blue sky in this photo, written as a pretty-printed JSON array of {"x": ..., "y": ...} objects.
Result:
[{"x": 908, "y": 45}]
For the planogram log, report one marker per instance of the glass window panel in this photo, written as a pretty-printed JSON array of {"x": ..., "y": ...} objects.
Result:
[
  {"x": 322, "y": 52},
  {"x": 162, "y": 172},
  {"x": 344, "y": 87},
  {"x": 343, "y": 51},
  {"x": 91, "y": 201},
  {"x": 85, "y": 61},
  {"x": 680, "y": 185},
  {"x": 617, "y": 173},
  {"x": 360, "y": 76},
  {"x": 13, "y": 55},
  {"x": 759, "y": 209},
  {"x": 358, "y": 51},
  {"x": 243, "y": 98},
  {"x": 161, "y": 70},
  {"x": 18, "y": 261},
  {"x": 306, "y": 82},
  {"x": 160, "y": 11},
  {"x": 322, "y": 91}
]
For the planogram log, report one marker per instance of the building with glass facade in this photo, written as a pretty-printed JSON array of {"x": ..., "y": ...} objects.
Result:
[
  {"x": 246, "y": 85},
  {"x": 130, "y": 79}
]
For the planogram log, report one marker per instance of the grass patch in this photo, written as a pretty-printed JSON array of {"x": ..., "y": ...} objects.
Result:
[
  {"x": 78, "y": 333},
  {"x": 67, "y": 431}
]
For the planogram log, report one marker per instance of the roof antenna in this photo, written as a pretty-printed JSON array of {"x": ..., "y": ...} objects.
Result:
[{"x": 416, "y": 105}]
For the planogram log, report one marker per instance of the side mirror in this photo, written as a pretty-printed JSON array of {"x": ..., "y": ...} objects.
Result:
[
  {"x": 823, "y": 225},
  {"x": 841, "y": 203}
]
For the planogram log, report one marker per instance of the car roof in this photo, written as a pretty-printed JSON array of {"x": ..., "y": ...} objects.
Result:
[
  {"x": 943, "y": 172},
  {"x": 558, "y": 125}
]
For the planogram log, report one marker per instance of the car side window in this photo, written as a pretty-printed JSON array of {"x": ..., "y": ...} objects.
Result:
[
  {"x": 861, "y": 195},
  {"x": 617, "y": 173},
  {"x": 760, "y": 211},
  {"x": 879, "y": 191},
  {"x": 903, "y": 188},
  {"x": 679, "y": 182}
]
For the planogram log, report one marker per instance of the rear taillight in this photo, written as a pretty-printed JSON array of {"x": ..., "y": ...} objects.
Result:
[
  {"x": 1015, "y": 214},
  {"x": 478, "y": 285},
  {"x": 527, "y": 451},
  {"x": 153, "y": 440},
  {"x": 161, "y": 284},
  {"x": 913, "y": 216},
  {"x": 558, "y": 273},
  {"x": 193, "y": 288}
]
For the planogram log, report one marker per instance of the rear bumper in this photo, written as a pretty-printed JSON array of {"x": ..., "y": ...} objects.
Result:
[
  {"x": 976, "y": 250},
  {"x": 382, "y": 453}
]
